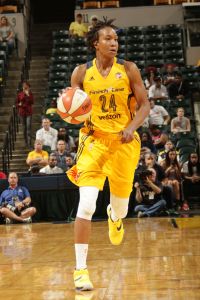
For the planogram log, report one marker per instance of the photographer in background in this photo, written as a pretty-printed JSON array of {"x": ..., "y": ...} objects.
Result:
[
  {"x": 15, "y": 202},
  {"x": 149, "y": 195}
]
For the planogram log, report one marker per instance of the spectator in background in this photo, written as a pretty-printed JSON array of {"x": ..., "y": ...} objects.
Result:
[
  {"x": 191, "y": 176},
  {"x": 149, "y": 162},
  {"x": 158, "y": 114},
  {"x": 34, "y": 170},
  {"x": 7, "y": 34},
  {"x": 3, "y": 175},
  {"x": 24, "y": 104},
  {"x": 162, "y": 153},
  {"x": 146, "y": 141},
  {"x": 149, "y": 195},
  {"x": 69, "y": 161},
  {"x": 93, "y": 22},
  {"x": 179, "y": 89},
  {"x": 159, "y": 138},
  {"x": 61, "y": 153},
  {"x": 64, "y": 135},
  {"x": 78, "y": 28},
  {"x": 172, "y": 170},
  {"x": 169, "y": 77},
  {"x": 158, "y": 91},
  {"x": 37, "y": 156},
  {"x": 47, "y": 135},
  {"x": 180, "y": 123},
  {"x": 149, "y": 80},
  {"x": 51, "y": 168},
  {"x": 15, "y": 202},
  {"x": 53, "y": 108}
]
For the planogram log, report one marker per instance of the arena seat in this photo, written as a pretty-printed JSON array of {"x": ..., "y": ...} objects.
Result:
[
  {"x": 155, "y": 29},
  {"x": 153, "y": 54},
  {"x": 80, "y": 50},
  {"x": 168, "y": 45},
  {"x": 91, "y": 4},
  {"x": 135, "y": 47},
  {"x": 8, "y": 9},
  {"x": 60, "y": 59},
  {"x": 157, "y": 2},
  {"x": 56, "y": 67},
  {"x": 60, "y": 42},
  {"x": 107, "y": 3},
  {"x": 54, "y": 84},
  {"x": 60, "y": 51},
  {"x": 58, "y": 75},
  {"x": 155, "y": 62},
  {"x": 60, "y": 34}
]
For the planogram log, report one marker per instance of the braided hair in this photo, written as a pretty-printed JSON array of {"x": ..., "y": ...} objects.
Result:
[{"x": 93, "y": 35}]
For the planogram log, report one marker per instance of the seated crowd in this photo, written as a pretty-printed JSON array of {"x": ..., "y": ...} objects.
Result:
[{"x": 166, "y": 179}]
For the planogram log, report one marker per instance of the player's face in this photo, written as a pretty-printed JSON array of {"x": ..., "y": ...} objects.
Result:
[{"x": 107, "y": 44}]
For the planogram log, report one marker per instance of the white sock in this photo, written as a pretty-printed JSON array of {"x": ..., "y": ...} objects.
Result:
[
  {"x": 81, "y": 251},
  {"x": 113, "y": 215}
]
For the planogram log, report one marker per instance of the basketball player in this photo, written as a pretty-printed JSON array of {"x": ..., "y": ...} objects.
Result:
[{"x": 109, "y": 144}]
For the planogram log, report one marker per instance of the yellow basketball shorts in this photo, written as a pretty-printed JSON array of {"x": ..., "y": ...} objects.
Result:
[{"x": 101, "y": 157}]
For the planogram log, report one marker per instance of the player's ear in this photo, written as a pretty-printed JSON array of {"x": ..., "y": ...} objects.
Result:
[{"x": 95, "y": 44}]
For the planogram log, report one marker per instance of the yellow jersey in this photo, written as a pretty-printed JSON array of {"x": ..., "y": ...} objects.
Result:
[{"x": 113, "y": 103}]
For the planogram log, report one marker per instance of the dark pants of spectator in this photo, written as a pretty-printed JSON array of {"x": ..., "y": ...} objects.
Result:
[
  {"x": 26, "y": 123},
  {"x": 190, "y": 189},
  {"x": 150, "y": 210},
  {"x": 168, "y": 196}
]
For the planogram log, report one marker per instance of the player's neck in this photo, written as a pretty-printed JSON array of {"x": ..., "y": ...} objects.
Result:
[
  {"x": 104, "y": 62},
  {"x": 104, "y": 65}
]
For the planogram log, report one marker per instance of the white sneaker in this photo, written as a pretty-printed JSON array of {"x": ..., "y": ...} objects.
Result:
[
  {"x": 27, "y": 220},
  {"x": 9, "y": 221}
]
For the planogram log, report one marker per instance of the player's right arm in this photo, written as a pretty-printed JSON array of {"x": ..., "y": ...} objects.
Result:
[{"x": 78, "y": 76}]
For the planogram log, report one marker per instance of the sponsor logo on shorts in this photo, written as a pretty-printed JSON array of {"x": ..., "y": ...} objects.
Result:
[{"x": 110, "y": 117}]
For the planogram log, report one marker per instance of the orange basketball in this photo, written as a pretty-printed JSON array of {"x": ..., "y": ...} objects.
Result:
[{"x": 74, "y": 105}]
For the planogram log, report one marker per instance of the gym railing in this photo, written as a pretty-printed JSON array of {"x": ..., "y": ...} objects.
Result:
[{"x": 9, "y": 140}]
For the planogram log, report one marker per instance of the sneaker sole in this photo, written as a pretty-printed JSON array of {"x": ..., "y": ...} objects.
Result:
[{"x": 85, "y": 288}]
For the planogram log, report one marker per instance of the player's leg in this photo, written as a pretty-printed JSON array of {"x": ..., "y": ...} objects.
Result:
[
  {"x": 116, "y": 210},
  {"x": 82, "y": 229},
  {"x": 123, "y": 164}
]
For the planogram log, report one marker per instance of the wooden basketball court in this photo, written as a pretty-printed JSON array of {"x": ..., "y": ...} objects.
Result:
[{"x": 159, "y": 259}]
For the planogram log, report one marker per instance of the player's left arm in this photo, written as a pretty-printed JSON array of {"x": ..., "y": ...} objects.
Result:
[{"x": 140, "y": 93}]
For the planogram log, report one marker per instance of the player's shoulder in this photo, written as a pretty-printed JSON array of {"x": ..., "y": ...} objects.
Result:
[
  {"x": 81, "y": 69},
  {"x": 130, "y": 65}
]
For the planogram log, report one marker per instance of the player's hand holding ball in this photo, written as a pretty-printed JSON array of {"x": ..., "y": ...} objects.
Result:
[{"x": 74, "y": 105}]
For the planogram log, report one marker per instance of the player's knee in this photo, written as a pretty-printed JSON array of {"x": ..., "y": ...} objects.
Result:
[
  {"x": 87, "y": 203},
  {"x": 119, "y": 206},
  {"x": 86, "y": 211}
]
